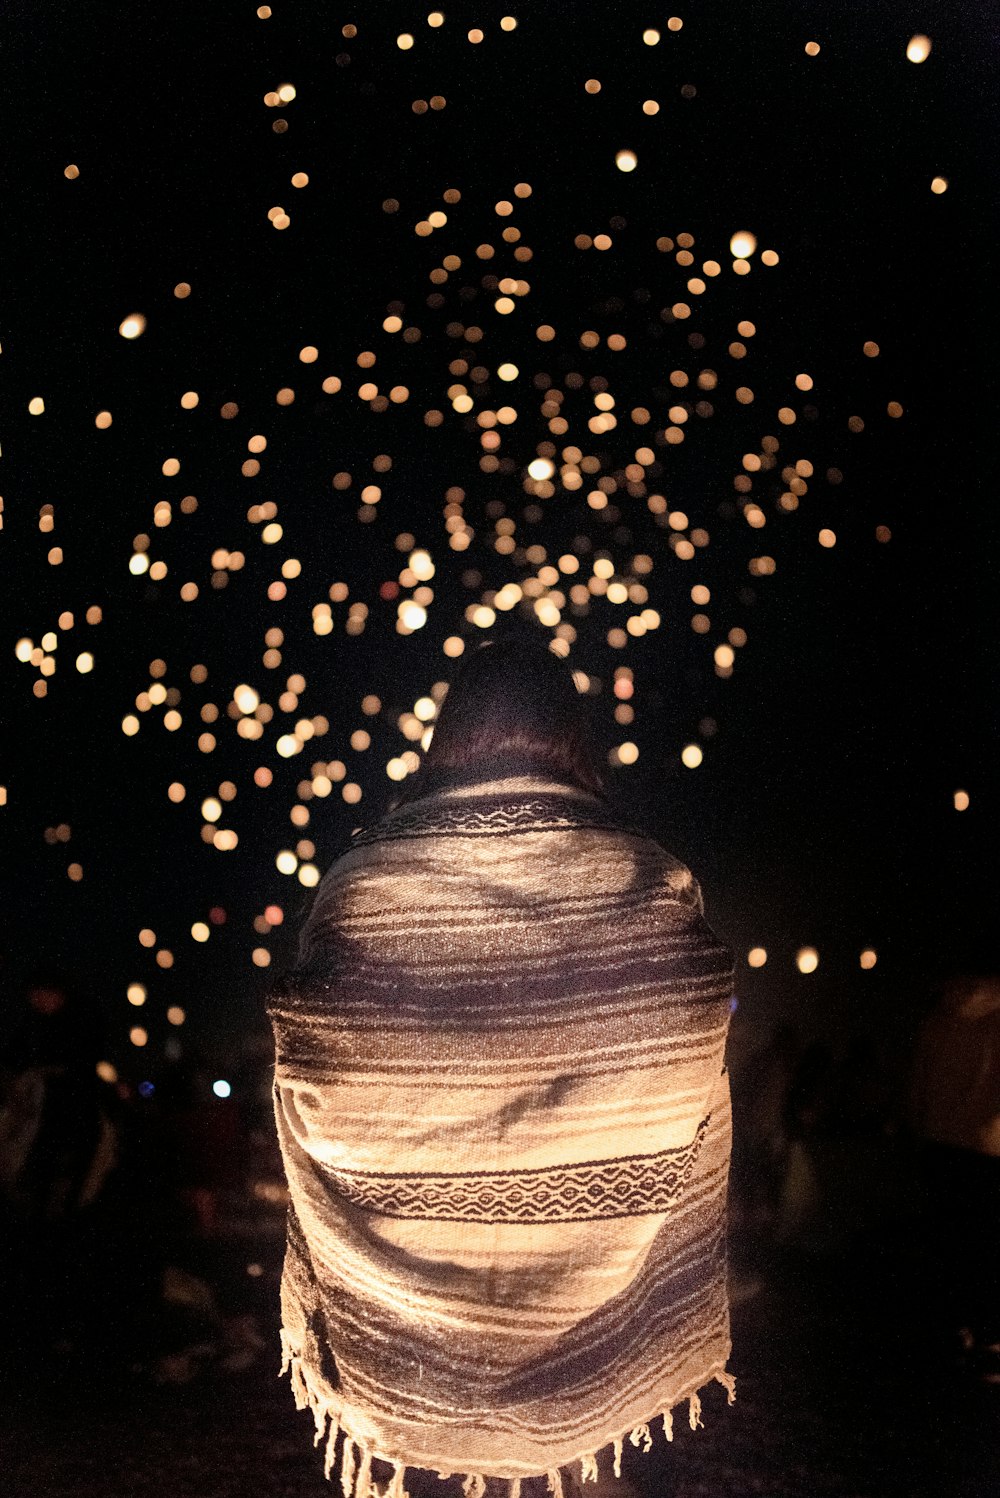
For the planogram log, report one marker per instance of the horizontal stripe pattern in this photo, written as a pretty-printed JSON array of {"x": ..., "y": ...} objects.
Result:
[
  {"x": 504, "y": 1116},
  {"x": 619, "y": 1187}
]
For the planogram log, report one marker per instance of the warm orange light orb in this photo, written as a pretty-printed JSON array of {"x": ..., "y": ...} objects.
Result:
[
  {"x": 743, "y": 244},
  {"x": 412, "y": 615}
]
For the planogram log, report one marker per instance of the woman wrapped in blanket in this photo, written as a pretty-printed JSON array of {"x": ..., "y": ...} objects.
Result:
[{"x": 503, "y": 1108}]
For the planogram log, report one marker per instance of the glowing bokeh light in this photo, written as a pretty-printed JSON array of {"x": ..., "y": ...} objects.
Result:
[
  {"x": 541, "y": 469},
  {"x": 578, "y": 430},
  {"x": 743, "y": 244}
]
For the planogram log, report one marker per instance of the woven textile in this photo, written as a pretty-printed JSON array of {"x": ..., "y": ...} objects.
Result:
[{"x": 504, "y": 1115}]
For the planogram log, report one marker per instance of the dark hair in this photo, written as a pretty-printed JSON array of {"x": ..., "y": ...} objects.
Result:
[{"x": 513, "y": 708}]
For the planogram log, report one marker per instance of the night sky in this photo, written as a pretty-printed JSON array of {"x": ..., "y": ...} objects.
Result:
[{"x": 823, "y": 812}]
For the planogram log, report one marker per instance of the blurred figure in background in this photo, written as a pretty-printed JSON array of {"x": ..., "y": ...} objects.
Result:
[
  {"x": 802, "y": 1221},
  {"x": 204, "y": 1145},
  {"x": 760, "y": 1133},
  {"x": 955, "y": 1112},
  {"x": 58, "y": 1149}
]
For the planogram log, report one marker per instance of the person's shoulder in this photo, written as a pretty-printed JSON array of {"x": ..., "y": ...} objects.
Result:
[
  {"x": 661, "y": 865},
  {"x": 676, "y": 875}
]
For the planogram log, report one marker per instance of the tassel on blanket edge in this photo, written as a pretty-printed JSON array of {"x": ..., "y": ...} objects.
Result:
[
  {"x": 641, "y": 1433},
  {"x": 694, "y": 1412},
  {"x": 347, "y": 1467},
  {"x": 363, "y": 1483},
  {"x": 396, "y": 1488},
  {"x": 320, "y": 1416},
  {"x": 728, "y": 1382},
  {"x": 588, "y": 1467},
  {"x": 474, "y": 1485},
  {"x": 299, "y": 1383},
  {"x": 330, "y": 1454},
  {"x": 619, "y": 1443},
  {"x": 555, "y": 1483},
  {"x": 668, "y": 1424},
  {"x": 514, "y": 1487},
  {"x": 331, "y": 1440}
]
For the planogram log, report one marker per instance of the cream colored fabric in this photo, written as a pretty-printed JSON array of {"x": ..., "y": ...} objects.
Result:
[{"x": 504, "y": 1115}]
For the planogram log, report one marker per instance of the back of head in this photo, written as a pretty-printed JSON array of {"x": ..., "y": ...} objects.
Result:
[{"x": 513, "y": 708}]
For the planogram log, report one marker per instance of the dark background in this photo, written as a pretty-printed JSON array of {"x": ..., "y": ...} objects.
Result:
[
  {"x": 823, "y": 812},
  {"x": 141, "y": 1327}
]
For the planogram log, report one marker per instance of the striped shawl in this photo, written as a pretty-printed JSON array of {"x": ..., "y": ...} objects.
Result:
[{"x": 504, "y": 1115}]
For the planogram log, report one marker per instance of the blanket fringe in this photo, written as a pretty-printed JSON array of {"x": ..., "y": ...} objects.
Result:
[
  {"x": 357, "y": 1458},
  {"x": 302, "y": 1393},
  {"x": 363, "y": 1484},
  {"x": 347, "y": 1467},
  {"x": 329, "y": 1455},
  {"x": 588, "y": 1467},
  {"x": 300, "y": 1389}
]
